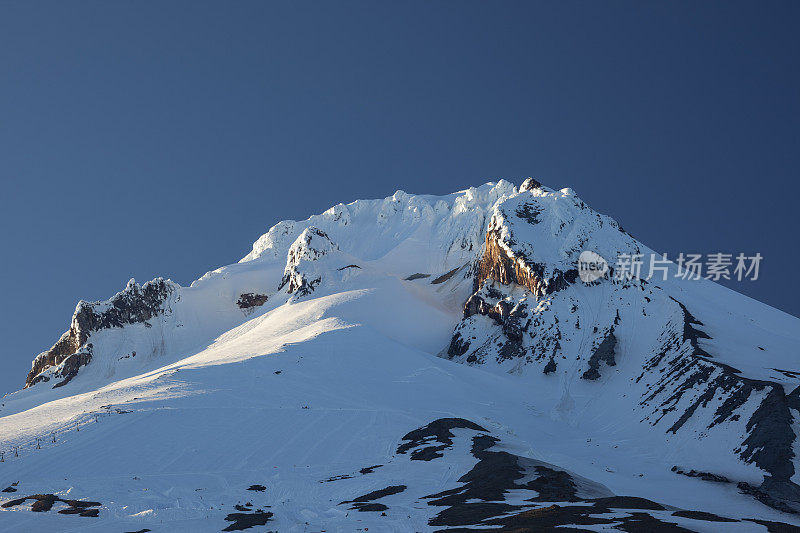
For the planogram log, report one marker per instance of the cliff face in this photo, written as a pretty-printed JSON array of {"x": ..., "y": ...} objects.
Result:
[
  {"x": 66, "y": 347},
  {"x": 301, "y": 275},
  {"x": 135, "y": 304},
  {"x": 499, "y": 263},
  {"x": 530, "y": 314}
]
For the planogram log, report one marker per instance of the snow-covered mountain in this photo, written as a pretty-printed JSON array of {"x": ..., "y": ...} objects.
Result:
[{"x": 417, "y": 363}]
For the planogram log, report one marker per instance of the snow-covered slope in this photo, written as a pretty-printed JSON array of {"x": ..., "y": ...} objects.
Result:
[{"x": 411, "y": 364}]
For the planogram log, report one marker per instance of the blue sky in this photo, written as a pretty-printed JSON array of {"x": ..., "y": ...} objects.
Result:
[{"x": 140, "y": 139}]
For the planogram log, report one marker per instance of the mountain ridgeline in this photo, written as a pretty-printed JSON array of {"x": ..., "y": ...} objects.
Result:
[{"x": 704, "y": 379}]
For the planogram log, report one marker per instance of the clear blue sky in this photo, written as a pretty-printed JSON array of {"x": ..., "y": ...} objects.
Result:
[{"x": 140, "y": 139}]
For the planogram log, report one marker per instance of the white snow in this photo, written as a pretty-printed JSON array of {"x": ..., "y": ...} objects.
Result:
[{"x": 305, "y": 388}]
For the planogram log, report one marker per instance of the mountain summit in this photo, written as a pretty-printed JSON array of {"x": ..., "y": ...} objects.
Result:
[{"x": 416, "y": 363}]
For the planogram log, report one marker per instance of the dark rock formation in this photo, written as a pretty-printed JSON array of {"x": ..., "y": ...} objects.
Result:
[
  {"x": 446, "y": 276},
  {"x": 458, "y": 346},
  {"x": 604, "y": 353},
  {"x": 560, "y": 501},
  {"x": 705, "y": 476},
  {"x": 250, "y": 299},
  {"x": 529, "y": 184},
  {"x": 42, "y": 503},
  {"x": 438, "y": 430},
  {"x": 311, "y": 245},
  {"x": 691, "y": 371},
  {"x": 690, "y": 332},
  {"x": 135, "y": 304},
  {"x": 362, "y": 503},
  {"x": 241, "y": 521},
  {"x": 503, "y": 266}
]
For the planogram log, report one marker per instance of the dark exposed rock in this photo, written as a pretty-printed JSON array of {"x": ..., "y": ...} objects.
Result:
[
  {"x": 440, "y": 430},
  {"x": 529, "y": 212},
  {"x": 135, "y": 304},
  {"x": 769, "y": 436},
  {"x": 369, "y": 507},
  {"x": 302, "y": 288},
  {"x": 552, "y": 485},
  {"x": 257, "y": 488},
  {"x": 604, "y": 353},
  {"x": 446, "y": 276},
  {"x": 705, "y": 476},
  {"x": 690, "y": 332},
  {"x": 44, "y": 502},
  {"x": 498, "y": 264},
  {"x": 787, "y": 373},
  {"x": 72, "y": 364},
  {"x": 769, "y": 441},
  {"x": 766, "y": 497},
  {"x": 369, "y": 469},
  {"x": 365, "y": 502},
  {"x": 250, "y": 299},
  {"x": 775, "y": 527},
  {"x": 484, "y": 487},
  {"x": 646, "y": 523},
  {"x": 377, "y": 494},
  {"x": 458, "y": 346},
  {"x": 242, "y": 521},
  {"x": 336, "y": 478},
  {"x": 540, "y": 520},
  {"x": 529, "y": 184},
  {"x": 512, "y": 319},
  {"x": 364, "y": 471},
  {"x": 702, "y": 515},
  {"x": 312, "y": 244},
  {"x": 478, "y": 503},
  {"x": 348, "y": 266},
  {"x": 628, "y": 502},
  {"x": 412, "y": 277}
]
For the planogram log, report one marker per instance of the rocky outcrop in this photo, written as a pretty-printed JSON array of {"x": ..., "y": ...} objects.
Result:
[
  {"x": 603, "y": 354},
  {"x": 529, "y": 184},
  {"x": 135, "y": 304},
  {"x": 299, "y": 277},
  {"x": 690, "y": 380},
  {"x": 446, "y": 276},
  {"x": 501, "y": 491},
  {"x": 512, "y": 317},
  {"x": 503, "y": 265},
  {"x": 683, "y": 387},
  {"x": 248, "y": 300}
]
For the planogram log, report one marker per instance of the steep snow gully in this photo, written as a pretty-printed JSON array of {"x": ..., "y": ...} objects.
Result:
[{"x": 417, "y": 363}]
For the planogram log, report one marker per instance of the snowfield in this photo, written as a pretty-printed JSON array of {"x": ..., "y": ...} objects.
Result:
[{"x": 416, "y": 363}]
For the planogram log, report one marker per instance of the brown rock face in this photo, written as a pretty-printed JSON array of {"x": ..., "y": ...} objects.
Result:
[
  {"x": 135, "y": 304},
  {"x": 500, "y": 265},
  {"x": 67, "y": 346}
]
